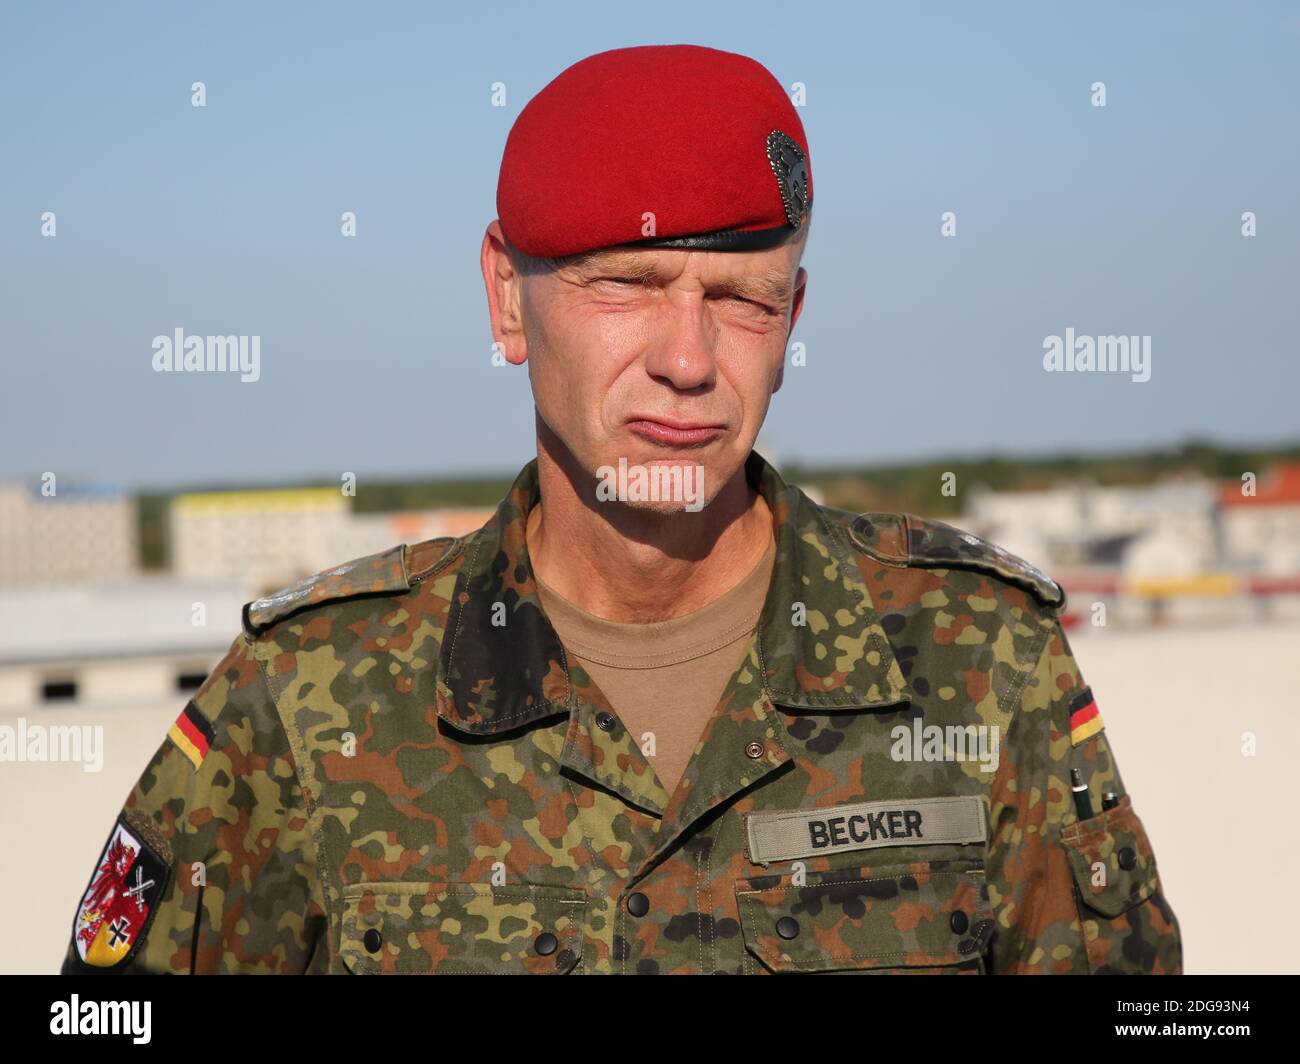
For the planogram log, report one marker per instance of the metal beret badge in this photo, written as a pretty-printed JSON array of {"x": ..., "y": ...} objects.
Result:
[{"x": 790, "y": 166}]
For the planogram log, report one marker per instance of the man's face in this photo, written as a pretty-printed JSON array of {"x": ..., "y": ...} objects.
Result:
[{"x": 658, "y": 356}]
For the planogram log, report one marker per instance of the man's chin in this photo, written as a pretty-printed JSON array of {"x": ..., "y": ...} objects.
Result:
[
  {"x": 657, "y": 483},
  {"x": 664, "y": 508}
]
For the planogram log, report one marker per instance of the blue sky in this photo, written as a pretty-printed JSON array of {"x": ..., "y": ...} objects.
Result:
[{"x": 375, "y": 350}]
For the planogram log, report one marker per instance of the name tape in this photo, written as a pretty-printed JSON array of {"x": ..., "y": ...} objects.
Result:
[{"x": 864, "y": 825}]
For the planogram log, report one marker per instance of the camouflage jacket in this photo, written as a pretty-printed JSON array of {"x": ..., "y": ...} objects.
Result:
[{"x": 396, "y": 769}]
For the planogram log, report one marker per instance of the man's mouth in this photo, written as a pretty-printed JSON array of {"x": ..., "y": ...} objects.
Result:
[{"x": 675, "y": 433}]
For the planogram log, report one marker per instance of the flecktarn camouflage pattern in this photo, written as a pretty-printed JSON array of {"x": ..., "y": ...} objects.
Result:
[{"x": 380, "y": 779}]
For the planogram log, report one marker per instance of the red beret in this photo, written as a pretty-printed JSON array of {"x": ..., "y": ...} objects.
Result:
[{"x": 705, "y": 141}]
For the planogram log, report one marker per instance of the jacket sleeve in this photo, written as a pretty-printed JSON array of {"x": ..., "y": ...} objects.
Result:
[
  {"x": 210, "y": 866},
  {"x": 1070, "y": 895}
]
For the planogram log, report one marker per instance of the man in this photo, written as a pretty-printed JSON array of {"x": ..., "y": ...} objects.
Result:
[{"x": 662, "y": 713}]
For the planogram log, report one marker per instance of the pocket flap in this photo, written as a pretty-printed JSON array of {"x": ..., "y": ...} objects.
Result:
[
  {"x": 908, "y": 916},
  {"x": 461, "y": 928},
  {"x": 1112, "y": 860}
]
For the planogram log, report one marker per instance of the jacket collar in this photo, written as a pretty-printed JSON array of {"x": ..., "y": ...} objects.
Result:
[{"x": 821, "y": 642}]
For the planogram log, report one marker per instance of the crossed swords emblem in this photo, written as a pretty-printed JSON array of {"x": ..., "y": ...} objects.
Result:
[{"x": 137, "y": 892}]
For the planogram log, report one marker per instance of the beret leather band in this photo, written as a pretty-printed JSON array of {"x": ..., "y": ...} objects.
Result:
[{"x": 728, "y": 240}]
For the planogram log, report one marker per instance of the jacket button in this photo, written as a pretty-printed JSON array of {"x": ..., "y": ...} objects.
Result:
[
  {"x": 605, "y": 721},
  {"x": 754, "y": 750},
  {"x": 373, "y": 940},
  {"x": 638, "y": 904},
  {"x": 959, "y": 921},
  {"x": 1127, "y": 858},
  {"x": 787, "y": 927},
  {"x": 545, "y": 944}
]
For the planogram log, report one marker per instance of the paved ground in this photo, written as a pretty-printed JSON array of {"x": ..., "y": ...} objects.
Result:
[{"x": 1175, "y": 704}]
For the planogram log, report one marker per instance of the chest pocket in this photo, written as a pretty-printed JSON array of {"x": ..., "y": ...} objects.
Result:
[
  {"x": 1127, "y": 926},
  {"x": 915, "y": 919},
  {"x": 461, "y": 929}
]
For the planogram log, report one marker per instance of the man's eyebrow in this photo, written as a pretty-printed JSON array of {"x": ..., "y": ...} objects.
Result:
[
  {"x": 621, "y": 263},
  {"x": 772, "y": 286}
]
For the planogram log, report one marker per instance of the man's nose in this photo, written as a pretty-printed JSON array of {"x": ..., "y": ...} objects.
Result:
[{"x": 682, "y": 352}]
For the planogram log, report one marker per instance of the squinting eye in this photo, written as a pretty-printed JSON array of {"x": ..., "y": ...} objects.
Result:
[{"x": 734, "y": 297}]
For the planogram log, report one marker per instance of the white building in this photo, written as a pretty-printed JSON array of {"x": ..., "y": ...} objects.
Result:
[
  {"x": 80, "y": 532},
  {"x": 136, "y": 642},
  {"x": 262, "y": 540},
  {"x": 265, "y": 540},
  {"x": 1166, "y": 527},
  {"x": 1262, "y": 531}
]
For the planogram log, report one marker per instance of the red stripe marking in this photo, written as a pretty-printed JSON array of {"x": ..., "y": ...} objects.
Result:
[
  {"x": 192, "y": 734},
  {"x": 1081, "y": 716}
]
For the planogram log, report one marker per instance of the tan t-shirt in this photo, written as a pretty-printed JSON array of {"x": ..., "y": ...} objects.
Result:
[{"x": 665, "y": 677}]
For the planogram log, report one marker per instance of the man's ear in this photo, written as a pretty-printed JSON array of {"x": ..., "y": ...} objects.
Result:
[
  {"x": 800, "y": 286},
  {"x": 504, "y": 294},
  {"x": 800, "y": 283}
]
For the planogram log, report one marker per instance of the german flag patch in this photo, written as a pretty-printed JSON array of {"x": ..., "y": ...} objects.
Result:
[
  {"x": 1085, "y": 721},
  {"x": 192, "y": 733}
]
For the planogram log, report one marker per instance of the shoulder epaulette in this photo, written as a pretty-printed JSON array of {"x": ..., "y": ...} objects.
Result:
[
  {"x": 375, "y": 574},
  {"x": 905, "y": 539},
  {"x": 422, "y": 559},
  {"x": 386, "y": 573}
]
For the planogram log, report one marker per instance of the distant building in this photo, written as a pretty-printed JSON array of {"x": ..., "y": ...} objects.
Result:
[
  {"x": 1172, "y": 526},
  {"x": 265, "y": 540},
  {"x": 1183, "y": 549},
  {"x": 80, "y": 533},
  {"x": 1166, "y": 527},
  {"x": 1032, "y": 524},
  {"x": 148, "y": 640},
  {"x": 153, "y": 639},
  {"x": 371, "y": 533},
  {"x": 1262, "y": 531},
  {"x": 258, "y": 539}
]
